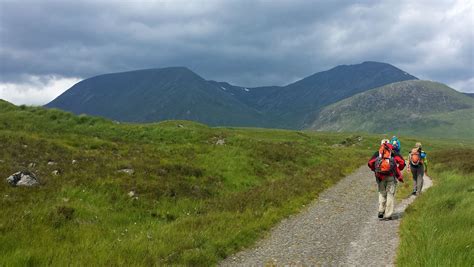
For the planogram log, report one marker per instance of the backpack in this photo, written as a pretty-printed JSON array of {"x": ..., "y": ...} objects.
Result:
[
  {"x": 385, "y": 163},
  {"x": 415, "y": 157},
  {"x": 396, "y": 144}
]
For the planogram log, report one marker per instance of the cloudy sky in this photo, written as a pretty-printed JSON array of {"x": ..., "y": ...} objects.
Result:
[{"x": 47, "y": 46}]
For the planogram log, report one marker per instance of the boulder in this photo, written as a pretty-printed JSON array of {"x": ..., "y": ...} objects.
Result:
[
  {"x": 220, "y": 142},
  {"x": 133, "y": 195},
  {"x": 127, "y": 171},
  {"x": 23, "y": 178}
]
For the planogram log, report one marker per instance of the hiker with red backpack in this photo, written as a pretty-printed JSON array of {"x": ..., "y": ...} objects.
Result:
[
  {"x": 418, "y": 167},
  {"x": 387, "y": 164}
]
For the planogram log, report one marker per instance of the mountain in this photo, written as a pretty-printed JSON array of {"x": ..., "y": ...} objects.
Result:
[
  {"x": 298, "y": 102},
  {"x": 155, "y": 95},
  {"x": 410, "y": 107},
  {"x": 178, "y": 93},
  {"x": 251, "y": 96},
  {"x": 469, "y": 94}
]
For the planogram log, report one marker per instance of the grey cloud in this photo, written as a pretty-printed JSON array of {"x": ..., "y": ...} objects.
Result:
[{"x": 248, "y": 43}]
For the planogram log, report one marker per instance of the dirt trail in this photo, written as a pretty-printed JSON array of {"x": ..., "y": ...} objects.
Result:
[{"x": 340, "y": 228}]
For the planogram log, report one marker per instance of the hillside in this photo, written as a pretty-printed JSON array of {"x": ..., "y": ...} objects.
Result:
[
  {"x": 156, "y": 95},
  {"x": 409, "y": 107},
  {"x": 297, "y": 103},
  {"x": 178, "y": 93},
  {"x": 171, "y": 193}
]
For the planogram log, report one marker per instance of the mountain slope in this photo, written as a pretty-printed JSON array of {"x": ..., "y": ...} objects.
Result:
[
  {"x": 298, "y": 102},
  {"x": 156, "y": 95},
  {"x": 251, "y": 96},
  {"x": 469, "y": 94},
  {"x": 410, "y": 107},
  {"x": 178, "y": 93}
]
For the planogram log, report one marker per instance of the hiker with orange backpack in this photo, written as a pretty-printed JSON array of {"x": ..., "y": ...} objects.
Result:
[
  {"x": 387, "y": 165},
  {"x": 418, "y": 167}
]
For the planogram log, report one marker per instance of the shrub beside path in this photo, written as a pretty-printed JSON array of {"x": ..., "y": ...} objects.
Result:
[{"x": 339, "y": 228}]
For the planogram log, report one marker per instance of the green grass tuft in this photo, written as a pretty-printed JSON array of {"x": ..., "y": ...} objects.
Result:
[{"x": 438, "y": 230}]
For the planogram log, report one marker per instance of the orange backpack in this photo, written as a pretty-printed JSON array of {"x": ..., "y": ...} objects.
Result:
[
  {"x": 385, "y": 163},
  {"x": 415, "y": 157}
]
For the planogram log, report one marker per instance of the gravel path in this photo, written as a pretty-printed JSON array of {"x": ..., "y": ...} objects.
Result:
[{"x": 340, "y": 228}]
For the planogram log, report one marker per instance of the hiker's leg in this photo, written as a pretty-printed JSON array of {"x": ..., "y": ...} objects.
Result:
[
  {"x": 391, "y": 188},
  {"x": 419, "y": 182},
  {"x": 382, "y": 195},
  {"x": 414, "y": 173}
]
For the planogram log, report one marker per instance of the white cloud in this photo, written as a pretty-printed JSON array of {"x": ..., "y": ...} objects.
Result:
[
  {"x": 464, "y": 85},
  {"x": 35, "y": 90},
  {"x": 245, "y": 42}
]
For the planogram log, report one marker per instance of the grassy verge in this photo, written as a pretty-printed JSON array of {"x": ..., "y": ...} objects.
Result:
[
  {"x": 406, "y": 188},
  {"x": 195, "y": 202},
  {"x": 438, "y": 229}
]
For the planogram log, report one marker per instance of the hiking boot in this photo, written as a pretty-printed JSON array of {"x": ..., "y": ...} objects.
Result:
[
  {"x": 388, "y": 218},
  {"x": 380, "y": 215},
  {"x": 414, "y": 192}
]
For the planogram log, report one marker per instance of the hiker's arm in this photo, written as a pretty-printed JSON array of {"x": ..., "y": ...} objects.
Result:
[
  {"x": 371, "y": 162},
  {"x": 409, "y": 159},
  {"x": 425, "y": 162},
  {"x": 400, "y": 162}
]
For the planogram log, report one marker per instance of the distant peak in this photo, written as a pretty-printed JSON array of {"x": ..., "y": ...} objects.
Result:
[
  {"x": 373, "y": 63},
  {"x": 177, "y": 68},
  {"x": 366, "y": 63}
]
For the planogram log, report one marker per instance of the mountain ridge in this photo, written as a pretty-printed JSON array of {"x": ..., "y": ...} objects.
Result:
[
  {"x": 157, "y": 94},
  {"x": 143, "y": 96}
]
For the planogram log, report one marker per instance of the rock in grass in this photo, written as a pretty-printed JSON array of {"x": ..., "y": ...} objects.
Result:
[
  {"x": 23, "y": 178},
  {"x": 133, "y": 195},
  {"x": 220, "y": 142},
  {"x": 127, "y": 171},
  {"x": 55, "y": 172}
]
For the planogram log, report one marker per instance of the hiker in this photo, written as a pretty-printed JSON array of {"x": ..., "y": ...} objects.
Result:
[
  {"x": 396, "y": 144},
  {"x": 387, "y": 165},
  {"x": 418, "y": 167}
]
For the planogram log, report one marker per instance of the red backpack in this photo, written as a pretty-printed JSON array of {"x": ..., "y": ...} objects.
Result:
[{"x": 385, "y": 163}]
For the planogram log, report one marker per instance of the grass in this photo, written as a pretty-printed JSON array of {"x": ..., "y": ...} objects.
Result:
[
  {"x": 438, "y": 229},
  {"x": 196, "y": 202},
  {"x": 406, "y": 188}
]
